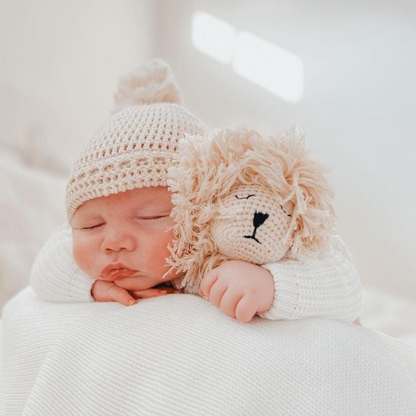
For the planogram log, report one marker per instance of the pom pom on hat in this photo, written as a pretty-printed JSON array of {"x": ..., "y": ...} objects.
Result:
[{"x": 147, "y": 84}]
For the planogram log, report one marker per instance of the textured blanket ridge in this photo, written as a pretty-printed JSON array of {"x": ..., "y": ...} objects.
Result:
[{"x": 179, "y": 355}]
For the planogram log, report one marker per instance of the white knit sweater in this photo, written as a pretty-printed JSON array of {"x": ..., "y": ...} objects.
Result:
[{"x": 328, "y": 287}]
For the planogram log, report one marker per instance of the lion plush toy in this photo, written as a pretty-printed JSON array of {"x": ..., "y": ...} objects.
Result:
[{"x": 240, "y": 196}]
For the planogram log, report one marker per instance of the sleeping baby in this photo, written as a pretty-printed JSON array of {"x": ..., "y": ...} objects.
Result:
[{"x": 120, "y": 225}]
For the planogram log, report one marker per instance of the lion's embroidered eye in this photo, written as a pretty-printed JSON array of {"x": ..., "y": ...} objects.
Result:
[
  {"x": 284, "y": 211},
  {"x": 247, "y": 197}
]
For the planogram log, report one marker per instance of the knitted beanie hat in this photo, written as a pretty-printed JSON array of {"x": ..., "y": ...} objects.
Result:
[{"x": 135, "y": 147}]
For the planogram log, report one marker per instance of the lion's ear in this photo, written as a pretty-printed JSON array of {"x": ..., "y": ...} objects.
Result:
[{"x": 311, "y": 196}]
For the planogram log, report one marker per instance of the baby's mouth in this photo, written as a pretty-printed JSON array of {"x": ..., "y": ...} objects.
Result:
[
  {"x": 119, "y": 273},
  {"x": 116, "y": 271}
]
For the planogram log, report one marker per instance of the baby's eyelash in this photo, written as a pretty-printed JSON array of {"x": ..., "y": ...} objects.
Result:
[
  {"x": 151, "y": 218},
  {"x": 138, "y": 218},
  {"x": 91, "y": 228}
]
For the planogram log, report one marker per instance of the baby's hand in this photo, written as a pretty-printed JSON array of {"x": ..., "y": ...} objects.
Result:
[
  {"x": 103, "y": 291},
  {"x": 240, "y": 289}
]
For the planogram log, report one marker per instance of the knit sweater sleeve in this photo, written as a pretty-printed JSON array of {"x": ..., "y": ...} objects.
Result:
[
  {"x": 325, "y": 287},
  {"x": 55, "y": 276}
]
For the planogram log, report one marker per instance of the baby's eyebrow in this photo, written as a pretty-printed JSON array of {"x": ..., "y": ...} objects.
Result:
[
  {"x": 91, "y": 216},
  {"x": 152, "y": 208}
]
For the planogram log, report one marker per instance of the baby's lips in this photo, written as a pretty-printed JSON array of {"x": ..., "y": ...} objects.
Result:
[
  {"x": 115, "y": 271},
  {"x": 118, "y": 274}
]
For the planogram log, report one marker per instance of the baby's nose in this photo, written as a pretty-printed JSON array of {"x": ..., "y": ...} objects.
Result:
[{"x": 117, "y": 241}]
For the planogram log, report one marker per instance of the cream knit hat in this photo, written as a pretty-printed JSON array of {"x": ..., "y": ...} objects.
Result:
[{"x": 135, "y": 147}]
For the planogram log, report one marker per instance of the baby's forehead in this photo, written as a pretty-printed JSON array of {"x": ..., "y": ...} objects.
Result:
[
  {"x": 144, "y": 205},
  {"x": 137, "y": 201}
]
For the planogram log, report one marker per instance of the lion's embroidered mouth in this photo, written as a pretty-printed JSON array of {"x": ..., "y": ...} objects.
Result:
[{"x": 253, "y": 237}]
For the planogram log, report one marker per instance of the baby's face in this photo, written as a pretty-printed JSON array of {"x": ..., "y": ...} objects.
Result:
[{"x": 129, "y": 228}]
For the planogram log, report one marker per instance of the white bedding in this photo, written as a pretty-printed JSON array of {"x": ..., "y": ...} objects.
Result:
[
  {"x": 390, "y": 314},
  {"x": 179, "y": 355},
  {"x": 31, "y": 208}
]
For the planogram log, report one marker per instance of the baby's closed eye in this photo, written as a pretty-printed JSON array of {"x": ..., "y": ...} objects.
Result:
[{"x": 152, "y": 218}]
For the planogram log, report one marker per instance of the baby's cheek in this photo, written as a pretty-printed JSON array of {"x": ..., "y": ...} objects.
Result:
[
  {"x": 79, "y": 254},
  {"x": 160, "y": 245},
  {"x": 167, "y": 240},
  {"x": 169, "y": 236},
  {"x": 83, "y": 256}
]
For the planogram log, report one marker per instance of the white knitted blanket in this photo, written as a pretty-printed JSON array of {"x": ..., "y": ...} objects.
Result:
[{"x": 179, "y": 355}]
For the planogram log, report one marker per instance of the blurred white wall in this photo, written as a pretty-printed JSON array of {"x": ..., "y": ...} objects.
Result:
[
  {"x": 60, "y": 62},
  {"x": 358, "y": 108}
]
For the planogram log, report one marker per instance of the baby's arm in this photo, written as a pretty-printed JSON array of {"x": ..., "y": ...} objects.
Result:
[
  {"x": 316, "y": 288},
  {"x": 55, "y": 275}
]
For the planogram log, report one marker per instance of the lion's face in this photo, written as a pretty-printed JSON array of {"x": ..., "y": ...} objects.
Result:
[{"x": 251, "y": 225}]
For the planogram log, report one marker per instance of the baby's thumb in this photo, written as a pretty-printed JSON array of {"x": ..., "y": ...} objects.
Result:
[{"x": 122, "y": 296}]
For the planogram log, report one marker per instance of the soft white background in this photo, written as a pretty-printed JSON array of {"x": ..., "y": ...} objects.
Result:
[{"x": 59, "y": 65}]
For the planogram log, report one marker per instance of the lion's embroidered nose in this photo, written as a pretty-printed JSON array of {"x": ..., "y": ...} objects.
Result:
[{"x": 258, "y": 220}]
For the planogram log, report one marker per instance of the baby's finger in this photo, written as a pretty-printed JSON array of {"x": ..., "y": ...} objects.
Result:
[
  {"x": 151, "y": 293},
  {"x": 216, "y": 293},
  {"x": 246, "y": 309},
  {"x": 229, "y": 302},
  {"x": 207, "y": 283},
  {"x": 117, "y": 294}
]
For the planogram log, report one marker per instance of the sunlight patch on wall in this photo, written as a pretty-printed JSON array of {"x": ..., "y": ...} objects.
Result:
[
  {"x": 213, "y": 37},
  {"x": 259, "y": 61}
]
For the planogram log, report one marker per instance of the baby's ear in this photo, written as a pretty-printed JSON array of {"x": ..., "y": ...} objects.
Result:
[{"x": 313, "y": 215}]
